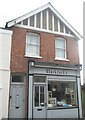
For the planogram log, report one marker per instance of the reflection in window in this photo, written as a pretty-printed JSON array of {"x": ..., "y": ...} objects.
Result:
[{"x": 62, "y": 94}]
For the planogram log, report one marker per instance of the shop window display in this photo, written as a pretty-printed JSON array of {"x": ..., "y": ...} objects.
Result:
[{"x": 62, "y": 94}]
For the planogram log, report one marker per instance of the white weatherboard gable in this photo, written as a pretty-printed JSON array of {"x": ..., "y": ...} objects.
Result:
[{"x": 40, "y": 9}]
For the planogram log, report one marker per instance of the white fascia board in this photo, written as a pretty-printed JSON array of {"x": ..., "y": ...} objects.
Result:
[
  {"x": 4, "y": 31},
  {"x": 44, "y": 30}
]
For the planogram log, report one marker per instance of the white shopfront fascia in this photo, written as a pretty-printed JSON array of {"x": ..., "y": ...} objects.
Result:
[{"x": 54, "y": 72}]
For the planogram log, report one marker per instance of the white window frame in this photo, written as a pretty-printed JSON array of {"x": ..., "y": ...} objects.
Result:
[
  {"x": 56, "y": 47},
  {"x": 37, "y": 45}
]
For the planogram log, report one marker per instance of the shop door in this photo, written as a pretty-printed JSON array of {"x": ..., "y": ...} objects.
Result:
[
  {"x": 39, "y": 101},
  {"x": 17, "y": 101}
]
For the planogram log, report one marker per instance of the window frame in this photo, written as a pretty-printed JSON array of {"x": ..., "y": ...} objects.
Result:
[
  {"x": 64, "y": 49},
  {"x": 27, "y": 54}
]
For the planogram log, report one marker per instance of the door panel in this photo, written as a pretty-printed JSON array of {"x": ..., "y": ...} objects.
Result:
[
  {"x": 39, "y": 101},
  {"x": 17, "y": 101}
]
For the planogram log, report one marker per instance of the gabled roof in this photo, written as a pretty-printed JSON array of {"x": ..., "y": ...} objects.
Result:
[{"x": 40, "y": 9}]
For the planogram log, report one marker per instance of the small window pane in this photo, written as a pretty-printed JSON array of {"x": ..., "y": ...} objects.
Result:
[
  {"x": 17, "y": 78},
  {"x": 60, "y": 43},
  {"x": 42, "y": 95},
  {"x": 39, "y": 78},
  {"x": 36, "y": 95},
  {"x": 60, "y": 53}
]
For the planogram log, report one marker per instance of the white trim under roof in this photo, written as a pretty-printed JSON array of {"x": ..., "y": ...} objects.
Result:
[{"x": 19, "y": 19}]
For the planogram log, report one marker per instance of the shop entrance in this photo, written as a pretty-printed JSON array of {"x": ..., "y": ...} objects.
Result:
[
  {"x": 39, "y": 97},
  {"x": 39, "y": 101}
]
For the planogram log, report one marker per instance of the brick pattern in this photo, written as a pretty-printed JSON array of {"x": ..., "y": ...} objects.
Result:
[{"x": 19, "y": 63}]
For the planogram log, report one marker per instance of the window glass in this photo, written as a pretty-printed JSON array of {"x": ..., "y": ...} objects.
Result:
[
  {"x": 17, "y": 78},
  {"x": 32, "y": 44},
  {"x": 39, "y": 79},
  {"x": 60, "y": 48},
  {"x": 36, "y": 95},
  {"x": 62, "y": 94}
]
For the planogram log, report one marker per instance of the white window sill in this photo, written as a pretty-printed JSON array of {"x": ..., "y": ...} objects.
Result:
[
  {"x": 29, "y": 56},
  {"x": 61, "y": 59}
]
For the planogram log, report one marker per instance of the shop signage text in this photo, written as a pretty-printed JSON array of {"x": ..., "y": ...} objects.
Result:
[{"x": 54, "y": 71}]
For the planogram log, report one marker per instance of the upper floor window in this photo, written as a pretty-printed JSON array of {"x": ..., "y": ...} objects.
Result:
[
  {"x": 60, "y": 48},
  {"x": 32, "y": 44}
]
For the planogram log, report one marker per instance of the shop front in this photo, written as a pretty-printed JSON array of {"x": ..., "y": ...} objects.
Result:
[{"x": 54, "y": 91}]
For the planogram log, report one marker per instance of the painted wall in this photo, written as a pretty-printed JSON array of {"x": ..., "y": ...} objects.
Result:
[{"x": 5, "y": 55}]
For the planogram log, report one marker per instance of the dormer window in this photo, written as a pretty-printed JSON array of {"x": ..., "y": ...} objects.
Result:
[{"x": 60, "y": 48}]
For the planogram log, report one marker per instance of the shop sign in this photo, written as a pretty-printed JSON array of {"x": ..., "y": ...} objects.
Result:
[{"x": 54, "y": 71}]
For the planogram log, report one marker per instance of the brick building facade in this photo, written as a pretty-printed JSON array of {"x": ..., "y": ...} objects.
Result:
[{"x": 44, "y": 53}]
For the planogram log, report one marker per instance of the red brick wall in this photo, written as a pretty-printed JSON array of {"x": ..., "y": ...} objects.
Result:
[{"x": 19, "y": 63}]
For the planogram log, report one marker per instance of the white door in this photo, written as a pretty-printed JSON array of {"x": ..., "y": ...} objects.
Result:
[
  {"x": 39, "y": 101},
  {"x": 17, "y": 107}
]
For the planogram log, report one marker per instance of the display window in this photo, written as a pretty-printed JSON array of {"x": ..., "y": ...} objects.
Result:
[{"x": 62, "y": 94}]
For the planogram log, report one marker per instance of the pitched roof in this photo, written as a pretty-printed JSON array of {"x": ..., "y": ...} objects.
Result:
[{"x": 40, "y": 9}]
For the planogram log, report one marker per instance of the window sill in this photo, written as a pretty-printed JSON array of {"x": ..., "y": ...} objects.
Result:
[
  {"x": 33, "y": 56},
  {"x": 61, "y": 59}
]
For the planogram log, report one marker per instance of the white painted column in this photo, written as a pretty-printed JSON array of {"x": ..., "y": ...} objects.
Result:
[{"x": 35, "y": 20}]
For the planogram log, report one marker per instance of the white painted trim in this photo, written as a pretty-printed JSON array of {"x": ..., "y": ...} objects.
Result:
[
  {"x": 35, "y": 20},
  {"x": 61, "y": 59},
  {"x": 4, "y": 31},
  {"x": 44, "y": 30},
  {"x": 4, "y": 69},
  {"x": 33, "y": 56},
  {"x": 11, "y": 23},
  {"x": 28, "y": 21}
]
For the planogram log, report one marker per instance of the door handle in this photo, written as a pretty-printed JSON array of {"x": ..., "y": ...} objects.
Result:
[{"x": 17, "y": 107}]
